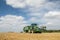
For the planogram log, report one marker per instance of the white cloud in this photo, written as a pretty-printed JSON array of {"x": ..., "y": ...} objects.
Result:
[
  {"x": 33, "y": 19},
  {"x": 53, "y": 14},
  {"x": 12, "y": 23},
  {"x": 24, "y": 3},
  {"x": 52, "y": 19},
  {"x": 35, "y": 3},
  {"x": 34, "y": 14},
  {"x": 16, "y": 3}
]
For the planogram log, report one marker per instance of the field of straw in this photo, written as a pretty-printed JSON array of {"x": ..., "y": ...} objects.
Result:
[{"x": 28, "y": 36}]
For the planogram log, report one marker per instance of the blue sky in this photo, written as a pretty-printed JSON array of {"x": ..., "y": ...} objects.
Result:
[{"x": 15, "y": 14}]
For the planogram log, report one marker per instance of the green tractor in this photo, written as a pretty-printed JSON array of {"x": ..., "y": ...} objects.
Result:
[{"x": 32, "y": 29}]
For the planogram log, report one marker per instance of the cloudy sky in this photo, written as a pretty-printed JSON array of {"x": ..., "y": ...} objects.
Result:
[{"x": 15, "y": 14}]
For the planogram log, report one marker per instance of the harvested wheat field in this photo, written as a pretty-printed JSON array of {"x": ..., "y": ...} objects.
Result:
[{"x": 28, "y": 36}]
